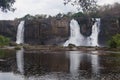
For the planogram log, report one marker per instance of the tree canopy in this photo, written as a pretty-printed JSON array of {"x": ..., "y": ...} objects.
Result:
[
  {"x": 85, "y": 5},
  {"x": 112, "y": 10},
  {"x": 7, "y": 5}
]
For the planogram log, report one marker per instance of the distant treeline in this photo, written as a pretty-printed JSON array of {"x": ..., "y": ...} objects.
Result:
[{"x": 110, "y": 10}]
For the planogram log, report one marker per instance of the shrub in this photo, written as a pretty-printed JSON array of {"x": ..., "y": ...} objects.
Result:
[
  {"x": 115, "y": 41},
  {"x": 4, "y": 41},
  {"x": 112, "y": 44}
]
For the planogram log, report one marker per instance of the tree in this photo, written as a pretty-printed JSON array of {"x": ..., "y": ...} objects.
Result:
[
  {"x": 40, "y": 16},
  {"x": 115, "y": 41},
  {"x": 59, "y": 15},
  {"x": 7, "y": 5},
  {"x": 79, "y": 14},
  {"x": 4, "y": 40},
  {"x": 112, "y": 10},
  {"x": 28, "y": 17},
  {"x": 85, "y": 5}
]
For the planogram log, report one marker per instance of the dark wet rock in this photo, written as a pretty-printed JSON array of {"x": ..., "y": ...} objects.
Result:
[
  {"x": 46, "y": 31},
  {"x": 71, "y": 46},
  {"x": 85, "y": 25},
  {"x": 9, "y": 28}
]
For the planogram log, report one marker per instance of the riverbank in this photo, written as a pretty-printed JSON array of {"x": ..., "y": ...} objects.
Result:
[
  {"x": 27, "y": 47},
  {"x": 69, "y": 48}
]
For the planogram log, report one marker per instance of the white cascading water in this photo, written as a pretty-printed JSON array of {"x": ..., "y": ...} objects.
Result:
[
  {"x": 20, "y": 33},
  {"x": 76, "y": 37},
  {"x": 95, "y": 32}
]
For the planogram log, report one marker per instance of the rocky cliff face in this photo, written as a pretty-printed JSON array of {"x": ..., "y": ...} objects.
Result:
[
  {"x": 9, "y": 29},
  {"x": 109, "y": 27},
  {"x": 56, "y": 30},
  {"x": 85, "y": 25},
  {"x": 46, "y": 31}
]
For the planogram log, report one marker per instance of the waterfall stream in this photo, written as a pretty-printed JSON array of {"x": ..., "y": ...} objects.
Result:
[
  {"x": 78, "y": 39},
  {"x": 20, "y": 33},
  {"x": 95, "y": 33}
]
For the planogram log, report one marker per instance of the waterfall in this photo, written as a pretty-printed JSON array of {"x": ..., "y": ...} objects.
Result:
[
  {"x": 20, "y": 33},
  {"x": 76, "y": 37},
  {"x": 95, "y": 32}
]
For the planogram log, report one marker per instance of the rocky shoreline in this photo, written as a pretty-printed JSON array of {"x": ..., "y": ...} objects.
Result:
[{"x": 58, "y": 48}]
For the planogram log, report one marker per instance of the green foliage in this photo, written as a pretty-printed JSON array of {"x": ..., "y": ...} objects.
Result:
[
  {"x": 31, "y": 17},
  {"x": 4, "y": 41},
  {"x": 116, "y": 38},
  {"x": 79, "y": 14},
  {"x": 6, "y": 5},
  {"x": 42, "y": 16},
  {"x": 28, "y": 17},
  {"x": 59, "y": 15},
  {"x": 115, "y": 41},
  {"x": 112, "y": 44}
]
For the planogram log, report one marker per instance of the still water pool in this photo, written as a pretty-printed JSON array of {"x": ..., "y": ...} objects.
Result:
[{"x": 59, "y": 65}]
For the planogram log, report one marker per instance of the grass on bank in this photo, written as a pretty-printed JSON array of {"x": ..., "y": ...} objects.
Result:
[{"x": 4, "y": 41}]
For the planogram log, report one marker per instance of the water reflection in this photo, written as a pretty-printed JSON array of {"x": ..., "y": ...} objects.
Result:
[
  {"x": 70, "y": 65},
  {"x": 10, "y": 76},
  {"x": 20, "y": 60},
  {"x": 82, "y": 61},
  {"x": 74, "y": 61},
  {"x": 95, "y": 62}
]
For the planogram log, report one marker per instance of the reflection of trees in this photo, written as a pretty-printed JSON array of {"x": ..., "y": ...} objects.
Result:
[
  {"x": 9, "y": 61},
  {"x": 40, "y": 63},
  {"x": 111, "y": 63}
]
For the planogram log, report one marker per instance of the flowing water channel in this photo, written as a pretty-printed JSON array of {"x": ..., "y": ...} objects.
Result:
[{"x": 62, "y": 65}]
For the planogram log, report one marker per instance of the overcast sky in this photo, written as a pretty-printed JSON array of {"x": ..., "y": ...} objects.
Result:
[{"x": 50, "y": 7}]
